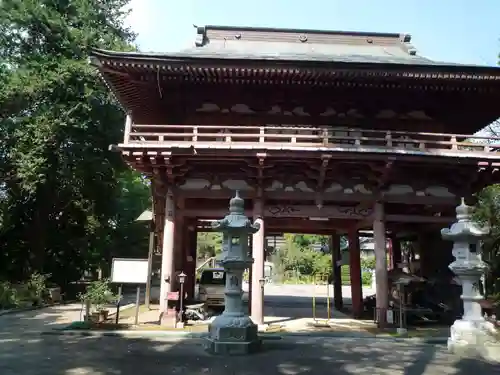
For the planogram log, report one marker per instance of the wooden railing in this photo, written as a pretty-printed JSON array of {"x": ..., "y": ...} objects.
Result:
[{"x": 296, "y": 137}]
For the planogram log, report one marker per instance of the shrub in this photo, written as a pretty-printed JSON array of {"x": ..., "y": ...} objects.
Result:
[
  {"x": 366, "y": 278},
  {"x": 8, "y": 296},
  {"x": 368, "y": 263},
  {"x": 34, "y": 292},
  {"x": 99, "y": 294}
]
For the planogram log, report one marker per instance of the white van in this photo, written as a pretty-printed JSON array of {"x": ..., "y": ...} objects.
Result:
[{"x": 211, "y": 287}]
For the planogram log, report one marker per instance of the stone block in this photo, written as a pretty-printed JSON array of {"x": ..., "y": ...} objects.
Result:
[
  {"x": 232, "y": 336},
  {"x": 488, "y": 351},
  {"x": 232, "y": 347},
  {"x": 474, "y": 339}
]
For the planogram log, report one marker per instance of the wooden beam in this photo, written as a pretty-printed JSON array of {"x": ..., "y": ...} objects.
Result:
[
  {"x": 419, "y": 219},
  {"x": 306, "y": 212},
  {"x": 327, "y": 197}
]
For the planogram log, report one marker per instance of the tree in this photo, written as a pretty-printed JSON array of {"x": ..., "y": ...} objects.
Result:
[
  {"x": 209, "y": 244},
  {"x": 487, "y": 212},
  {"x": 61, "y": 190}
]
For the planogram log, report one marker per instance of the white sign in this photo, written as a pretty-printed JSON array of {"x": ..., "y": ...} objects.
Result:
[
  {"x": 390, "y": 316},
  {"x": 129, "y": 271},
  {"x": 218, "y": 275}
]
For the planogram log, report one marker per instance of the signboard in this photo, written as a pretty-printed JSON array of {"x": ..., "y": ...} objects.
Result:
[
  {"x": 129, "y": 271},
  {"x": 218, "y": 275}
]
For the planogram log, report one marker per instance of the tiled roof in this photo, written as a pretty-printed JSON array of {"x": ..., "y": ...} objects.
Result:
[{"x": 260, "y": 50}]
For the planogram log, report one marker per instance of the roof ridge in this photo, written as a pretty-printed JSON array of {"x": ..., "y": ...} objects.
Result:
[{"x": 298, "y": 31}]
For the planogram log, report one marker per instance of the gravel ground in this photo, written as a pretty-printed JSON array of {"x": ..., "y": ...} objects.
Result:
[{"x": 68, "y": 355}]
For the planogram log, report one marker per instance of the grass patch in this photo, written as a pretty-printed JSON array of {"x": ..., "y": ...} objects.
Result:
[{"x": 130, "y": 312}]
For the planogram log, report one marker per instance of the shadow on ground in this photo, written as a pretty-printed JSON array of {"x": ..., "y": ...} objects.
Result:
[
  {"x": 65, "y": 355},
  {"x": 23, "y": 352},
  {"x": 40, "y": 319}
]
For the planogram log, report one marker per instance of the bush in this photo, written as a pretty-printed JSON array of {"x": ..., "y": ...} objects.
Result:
[
  {"x": 99, "y": 294},
  {"x": 34, "y": 292},
  {"x": 368, "y": 263},
  {"x": 366, "y": 278},
  {"x": 345, "y": 272},
  {"x": 8, "y": 296}
]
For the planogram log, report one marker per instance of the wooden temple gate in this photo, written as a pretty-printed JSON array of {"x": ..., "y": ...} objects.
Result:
[{"x": 321, "y": 132}]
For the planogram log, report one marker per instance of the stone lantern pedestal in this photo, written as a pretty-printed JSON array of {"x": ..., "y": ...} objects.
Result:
[
  {"x": 471, "y": 335},
  {"x": 234, "y": 332}
]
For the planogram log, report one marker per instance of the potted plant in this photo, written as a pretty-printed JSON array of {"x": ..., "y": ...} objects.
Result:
[{"x": 98, "y": 295}]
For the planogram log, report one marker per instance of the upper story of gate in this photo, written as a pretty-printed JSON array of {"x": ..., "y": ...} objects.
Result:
[{"x": 241, "y": 90}]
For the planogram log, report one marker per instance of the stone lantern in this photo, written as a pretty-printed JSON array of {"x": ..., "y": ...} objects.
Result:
[
  {"x": 471, "y": 334},
  {"x": 234, "y": 332}
]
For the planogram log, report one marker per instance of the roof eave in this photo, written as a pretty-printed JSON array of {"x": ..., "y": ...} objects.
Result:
[{"x": 97, "y": 55}]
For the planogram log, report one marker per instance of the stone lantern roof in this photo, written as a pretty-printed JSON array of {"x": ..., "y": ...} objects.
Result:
[
  {"x": 236, "y": 218},
  {"x": 464, "y": 227}
]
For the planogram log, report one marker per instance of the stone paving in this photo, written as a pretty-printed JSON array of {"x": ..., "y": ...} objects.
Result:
[{"x": 64, "y": 355}]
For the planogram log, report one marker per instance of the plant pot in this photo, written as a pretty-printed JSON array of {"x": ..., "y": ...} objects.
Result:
[
  {"x": 99, "y": 316},
  {"x": 94, "y": 317},
  {"x": 55, "y": 294},
  {"x": 103, "y": 315}
]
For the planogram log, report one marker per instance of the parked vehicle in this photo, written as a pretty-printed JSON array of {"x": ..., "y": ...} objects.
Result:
[{"x": 211, "y": 287}]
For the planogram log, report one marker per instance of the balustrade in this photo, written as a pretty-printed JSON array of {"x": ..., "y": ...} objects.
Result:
[{"x": 296, "y": 137}]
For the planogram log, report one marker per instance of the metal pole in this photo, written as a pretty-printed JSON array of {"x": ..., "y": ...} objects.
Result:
[
  {"x": 314, "y": 300},
  {"x": 250, "y": 277},
  {"x": 137, "y": 304},
  {"x": 400, "y": 307},
  {"x": 328, "y": 307},
  {"x": 182, "y": 299},
  {"x": 118, "y": 304},
  {"x": 150, "y": 265}
]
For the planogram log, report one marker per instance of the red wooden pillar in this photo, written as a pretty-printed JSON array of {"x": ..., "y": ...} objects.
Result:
[
  {"x": 168, "y": 253},
  {"x": 336, "y": 270},
  {"x": 382, "y": 287},
  {"x": 355, "y": 272},
  {"x": 258, "y": 244}
]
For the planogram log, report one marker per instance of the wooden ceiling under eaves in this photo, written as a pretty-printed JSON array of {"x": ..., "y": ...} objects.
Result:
[{"x": 317, "y": 71}]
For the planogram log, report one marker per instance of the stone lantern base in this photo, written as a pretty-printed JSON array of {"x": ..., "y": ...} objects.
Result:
[
  {"x": 474, "y": 339},
  {"x": 232, "y": 336}
]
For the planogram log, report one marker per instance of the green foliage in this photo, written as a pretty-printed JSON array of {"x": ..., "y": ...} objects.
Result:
[
  {"x": 67, "y": 203},
  {"x": 297, "y": 263},
  {"x": 35, "y": 290},
  {"x": 31, "y": 293},
  {"x": 368, "y": 263},
  {"x": 487, "y": 212},
  {"x": 8, "y": 296},
  {"x": 366, "y": 278},
  {"x": 209, "y": 244},
  {"x": 99, "y": 294}
]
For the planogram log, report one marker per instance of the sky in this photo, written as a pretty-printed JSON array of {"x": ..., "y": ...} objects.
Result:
[{"x": 458, "y": 31}]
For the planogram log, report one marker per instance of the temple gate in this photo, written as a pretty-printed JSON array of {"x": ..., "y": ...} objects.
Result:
[{"x": 321, "y": 132}]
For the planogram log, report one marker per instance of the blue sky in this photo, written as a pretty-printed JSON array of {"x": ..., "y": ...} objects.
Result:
[{"x": 461, "y": 31}]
